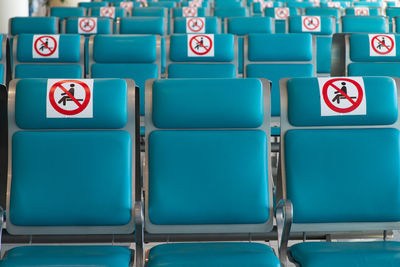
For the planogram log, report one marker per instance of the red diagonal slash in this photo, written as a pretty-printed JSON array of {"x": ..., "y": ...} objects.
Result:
[
  {"x": 70, "y": 96},
  {"x": 343, "y": 94},
  {"x": 45, "y": 45},
  {"x": 201, "y": 44},
  {"x": 383, "y": 44}
]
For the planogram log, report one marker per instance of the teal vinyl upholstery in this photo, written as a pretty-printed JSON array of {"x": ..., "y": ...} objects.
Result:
[
  {"x": 193, "y": 125},
  {"x": 104, "y": 25},
  {"x": 65, "y": 12},
  {"x": 221, "y": 65},
  {"x": 133, "y": 57},
  {"x": 166, "y": 4},
  {"x": 107, "y": 256},
  {"x": 326, "y": 200},
  {"x": 280, "y": 24},
  {"x": 324, "y": 11},
  {"x": 212, "y": 25},
  {"x": 178, "y": 12},
  {"x": 270, "y": 55},
  {"x": 88, "y": 5},
  {"x": 300, "y": 4},
  {"x": 376, "y": 4},
  {"x": 69, "y": 64},
  {"x": 149, "y": 12},
  {"x": 257, "y": 9},
  {"x": 350, "y": 11},
  {"x": 119, "y": 12},
  {"x": 142, "y": 25},
  {"x": 224, "y": 12},
  {"x": 367, "y": 24},
  {"x": 213, "y": 255},
  {"x": 391, "y": 13},
  {"x": 37, "y": 25}
]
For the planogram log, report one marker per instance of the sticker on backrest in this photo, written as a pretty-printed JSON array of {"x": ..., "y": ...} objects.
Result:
[
  {"x": 195, "y": 4},
  {"x": 316, "y": 2},
  {"x": 143, "y": 3},
  {"x": 87, "y": 25},
  {"x": 361, "y": 11},
  {"x": 127, "y": 6},
  {"x": 311, "y": 24},
  {"x": 69, "y": 98},
  {"x": 334, "y": 4},
  {"x": 268, "y": 4},
  {"x": 382, "y": 45},
  {"x": 342, "y": 96},
  {"x": 45, "y": 46},
  {"x": 107, "y": 12},
  {"x": 200, "y": 45},
  {"x": 195, "y": 25},
  {"x": 281, "y": 12},
  {"x": 189, "y": 11}
]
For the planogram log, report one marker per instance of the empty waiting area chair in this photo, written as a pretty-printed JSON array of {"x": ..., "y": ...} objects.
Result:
[
  {"x": 196, "y": 25},
  {"x": 71, "y": 169},
  {"x": 366, "y": 24},
  {"x": 65, "y": 12},
  {"x": 348, "y": 197},
  {"x": 142, "y": 25},
  {"x": 48, "y": 56},
  {"x": 192, "y": 125},
  {"x": 37, "y": 25}
]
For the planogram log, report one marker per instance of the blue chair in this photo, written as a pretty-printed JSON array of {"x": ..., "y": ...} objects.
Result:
[
  {"x": 65, "y": 12},
  {"x": 142, "y": 25},
  {"x": 189, "y": 12},
  {"x": 362, "y": 11},
  {"x": 323, "y": 27},
  {"x": 221, "y": 64},
  {"x": 152, "y": 12},
  {"x": 61, "y": 57},
  {"x": 211, "y": 25},
  {"x": 257, "y": 8},
  {"x": 360, "y": 58},
  {"x": 3, "y": 59},
  {"x": 37, "y": 25},
  {"x": 229, "y": 12},
  {"x": 241, "y": 26},
  {"x": 368, "y": 4},
  {"x": 366, "y": 24},
  {"x": 205, "y": 4},
  {"x": 227, "y": 3},
  {"x": 300, "y": 4},
  {"x": 274, "y": 57},
  {"x": 111, "y": 12},
  {"x": 104, "y": 25},
  {"x": 88, "y": 5},
  {"x": 280, "y": 15},
  {"x": 194, "y": 124},
  {"x": 335, "y": 4},
  {"x": 126, "y": 56},
  {"x": 166, "y": 4},
  {"x": 391, "y": 13},
  {"x": 319, "y": 198},
  {"x": 325, "y": 11},
  {"x": 61, "y": 178}
]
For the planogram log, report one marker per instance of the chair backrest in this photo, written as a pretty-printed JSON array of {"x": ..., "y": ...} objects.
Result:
[
  {"x": 201, "y": 56},
  {"x": 142, "y": 25},
  {"x": 110, "y": 12},
  {"x": 86, "y": 187},
  {"x": 377, "y": 4},
  {"x": 257, "y": 8},
  {"x": 367, "y": 24},
  {"x": 65, "y": 12},
  {"x": 281, "y": 14},
  {"x": 196, "y": 25},
  {"x": 391, "y": 13},
  {"x": 189, "y": 12},
  {"x": 126, "y": 56},
  {"x": 229, "y": 12},
  {"x": 48, "y": 56},
  {"x": 150, "y": 12},
  {"x": 300, "y": 4},
  {"x": 347, "y": 118},
  {"x": 362, "y": 11},
  {"x": 3, "y": 59},
  {"x": 273, "y": 56},
  {"x": 366, "y": 54},
  {"x": 88, "y": 25},
  {"x": 37, "y": 25},
  {"x": 245, "y": 25},
  {"x": 220, "y": 129},
  {"x": 88, "y": 5},
  {"x": 166, "y": 4}
]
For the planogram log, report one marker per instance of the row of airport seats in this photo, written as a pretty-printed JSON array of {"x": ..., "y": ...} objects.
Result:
[{"x": 79, "y": 174}]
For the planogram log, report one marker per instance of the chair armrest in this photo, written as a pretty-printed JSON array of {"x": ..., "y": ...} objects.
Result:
[
  {"x": 284, "y": 218},
  {"x": 139, "y": 232}
]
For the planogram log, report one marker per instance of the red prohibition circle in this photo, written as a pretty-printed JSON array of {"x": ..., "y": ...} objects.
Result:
[
  {"x": 310, "y": 28},
  {"x": 285, "y": 11},
  {"x": 105, "y": 10},
  {"x": 361, "y": 12},
  {"x": 388, "y": 49},
  {"x": 342, "y": 110},
  {"x": 51, "y": 51},
  {"x": 189, "y": 12},
  {"x": 200, "y": 27},
  {"x": 206, "y": 50},
  {"x": 87, "y": 19},
  {"x": 74, "y": 111}
]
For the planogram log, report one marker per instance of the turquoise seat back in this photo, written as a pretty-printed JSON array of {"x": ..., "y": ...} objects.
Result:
[
  {"x": 104, "y": 25},
  {"x": 143, "y": 25},
  {"x": 224, "y": 12},
  {"x": 189, "y": 12},
  {"x": 193, "y": 124},
  {"x": 362, "y": 11},
  {"x": 111, "y": 12},
  {"x": 377, "y": 4},
  {"x": 212, "y": 25},
  {"x": 222, "y": 64},
  {"x": 280, "y": 14},
  {"x": 391, "y": 13},
  {"x": 61, "y": 57},
  {"x": 133, "y": 57},
  {"x": 367, "y": 24},
  {"x": 71, "y": 167},
  {"x": 65, "y": 12},
  {"x": 88, "y": 5},
  {"x": 257, "y": 8},
  {"x": 273, "y": 57},
  {"x": 323, "y": 131},
  {"x": 38, "y": 25},
  {"x": 324, "y": 11},
  {"x": 150, "y": 12}
]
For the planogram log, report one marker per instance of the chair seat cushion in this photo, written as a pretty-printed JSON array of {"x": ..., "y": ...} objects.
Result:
[
  {"x": 346, "y": 254},
  {"x": 212, "y": 254},
  {"x": 105, "y": 256}
]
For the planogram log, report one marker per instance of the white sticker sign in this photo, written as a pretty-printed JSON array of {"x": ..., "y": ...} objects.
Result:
[
  {"x": 361, "y": 11},
  {"x": 69, "y": 98},
  {"x": 107, "y": 12},
  {"x": 87, "y": 25},
  {"x": 45, "y": 46},
  {"x": 311, "y": 24},
  {"x": 268, "y": 4},
  {"x": 195, "y": 4},
  {"x": 334, "y": 4},
  {"x": 382, "y": 45},
  {"x": 189, "y": 11},
  {"x": 127, "y": 6},
  {"x": 342, "y": 96},
  {"x": 281, "y": 12},
  {"x": 195, "y": 25},
  {"x": 200, "y": 45}
]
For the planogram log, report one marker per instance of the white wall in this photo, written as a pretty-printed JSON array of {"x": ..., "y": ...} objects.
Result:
[{"x": 12, "y": 8}]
